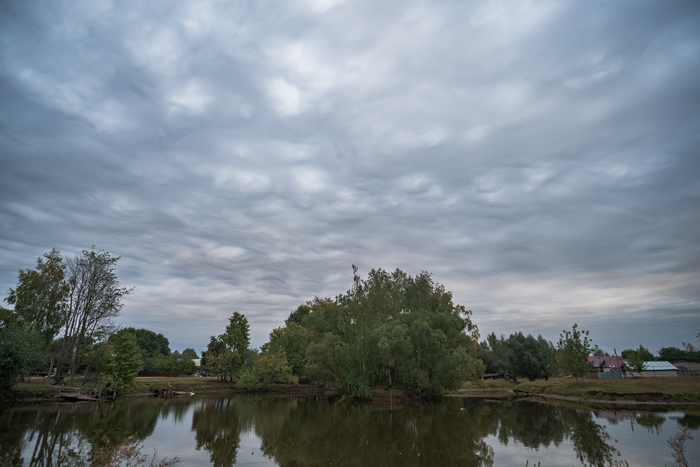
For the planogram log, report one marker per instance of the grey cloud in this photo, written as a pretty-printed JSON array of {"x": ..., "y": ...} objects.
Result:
[{"x": 538, "y": 159}]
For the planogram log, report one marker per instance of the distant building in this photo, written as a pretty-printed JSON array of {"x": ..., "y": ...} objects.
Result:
[
  {"x": 657, "y": 370},
  {"x": 687, "y": 368},
  {"x": 606, "y": 367},
  {"x": 606, "y": 363}
]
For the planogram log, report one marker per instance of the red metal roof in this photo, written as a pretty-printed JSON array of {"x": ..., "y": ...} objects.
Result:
[{"x": 614, "y": 363}]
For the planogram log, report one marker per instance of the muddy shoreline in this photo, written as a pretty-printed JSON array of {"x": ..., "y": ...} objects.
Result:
[{"x": 650, "y": 401}]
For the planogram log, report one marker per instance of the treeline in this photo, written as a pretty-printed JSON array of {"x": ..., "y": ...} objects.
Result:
[
  {"x": 689, "y": 353},
  {"x": 63, "y": 324},
  {"x": 535, "y": 358},
  {"x": 390, "y": 329},
  {"x": 519, "y": 356}
]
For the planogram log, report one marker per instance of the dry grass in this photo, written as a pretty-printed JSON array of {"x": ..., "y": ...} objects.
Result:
[
  {"x": 180, "y": 383},
  {"x": 643, "y": 389}
]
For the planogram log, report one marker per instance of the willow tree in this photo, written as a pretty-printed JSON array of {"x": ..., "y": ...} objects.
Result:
[
  {"x": 394, "y": 328},
  {"x": 93, "y": 300}
]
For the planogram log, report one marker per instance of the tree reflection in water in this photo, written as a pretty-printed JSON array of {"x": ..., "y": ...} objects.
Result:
[
  {"x": 217, "y": 424},
  {"x": 67, "y": 434},
  {"x": 314, "y": 430}
]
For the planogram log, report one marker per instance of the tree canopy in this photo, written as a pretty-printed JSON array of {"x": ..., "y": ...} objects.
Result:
[
  {"x": 519, "y": 355},
  {"x": 93, "y": 300},
  {"x": 124, "y": 359},
  {"x": 40, "y": 296},
  {"x": 226, "y": 354},
  {"x": 392, "y": 329},
  {"x": 150, "y": 343},
  {"x": 573, "y": 349}
]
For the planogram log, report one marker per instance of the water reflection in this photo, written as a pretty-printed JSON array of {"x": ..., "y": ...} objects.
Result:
[{"x": 313, "y": 431}]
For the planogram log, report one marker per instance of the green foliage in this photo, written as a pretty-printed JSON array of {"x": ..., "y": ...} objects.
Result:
[
  {"x": 293, "y": 340},
  {"x": 215, "y": 357},
  {"x": 641, "y": 353},
  {"x": 236, "y": 339},
  {"x": 93, "y": 300},
  {"x": 40, "y": 296},
  {"x": 190, "y": 354},
  {"x": 530, "y": 357},
  {"x": 327, "y": 359},
  {"x": 20, "y": 351},
  {"x": 269, "y": 368},
  {"x": 99, "y": 357},
  {"x": 297, "y": 315},
  {"x": 226, "y": 354},
  {"x": 573, "y": 349},
  {"x": 493, "y": 352},
  {"x": 636, "y": 359},
  {"x": 674, "y": 354},
  {"x": 518, "y": 355},
  {"x": 151, "y": 345},
  {"x": 392, "y": 328},
  {"x": 172, "y": 362},
  {"x": 125, "y": 359},
  {"x": 250, "y": 382}
]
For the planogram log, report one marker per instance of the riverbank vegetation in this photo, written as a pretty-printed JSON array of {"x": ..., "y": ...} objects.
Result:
[
  {"x": 390, "y": 329},
  {"x": 390, "y": 333},
  {"x": 628, "y": 389}
]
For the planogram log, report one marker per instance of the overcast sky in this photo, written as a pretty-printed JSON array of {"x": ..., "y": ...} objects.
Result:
[{"x": 541, "y": 159}]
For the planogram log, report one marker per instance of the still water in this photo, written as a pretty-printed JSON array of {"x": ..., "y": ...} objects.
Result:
[{"x": 309, "y": 431}]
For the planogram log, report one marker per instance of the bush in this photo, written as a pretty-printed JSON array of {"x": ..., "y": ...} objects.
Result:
[
  {"x": 249, "y": 382},
  {"x": 18, "y": 354},
  {"x": 270, "y": 368}
]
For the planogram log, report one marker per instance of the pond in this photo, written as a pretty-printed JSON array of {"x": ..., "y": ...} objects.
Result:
[{"x": 225, "y": 430}]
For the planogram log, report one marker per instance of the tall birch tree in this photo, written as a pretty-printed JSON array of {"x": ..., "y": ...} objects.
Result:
[
  {"x": 40, "y": 296},
  {"x": 93, "y": 300}
]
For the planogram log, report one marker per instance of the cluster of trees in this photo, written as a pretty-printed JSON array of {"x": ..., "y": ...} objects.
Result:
[
  {"x": 227, "y": 353},
  {"x": 62, "y": 322},
  {"x": 535, "y": 358},
  {"x": 157, "y": 356},
  {"x": 525, "y": 356},
  {"x": 689, "y": 353},
  {"x": 390, "y": 328},
  {"x": 519, "y": 355},
  {"x": 60, "y": 309}
]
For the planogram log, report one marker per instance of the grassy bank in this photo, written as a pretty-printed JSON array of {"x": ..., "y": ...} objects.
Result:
[
  {"x": 36, "y": 390},
  {"x": 147, "y": 384},
  {"x": 686, "y": 389}
]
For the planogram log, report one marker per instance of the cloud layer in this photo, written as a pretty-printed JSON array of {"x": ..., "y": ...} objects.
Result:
[{"x": 539, "y": 158}]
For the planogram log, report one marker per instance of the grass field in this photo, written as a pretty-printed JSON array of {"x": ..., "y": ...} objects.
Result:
[
  {"x": 643, "y": 389},
  {"x": 180, "y": 383}
]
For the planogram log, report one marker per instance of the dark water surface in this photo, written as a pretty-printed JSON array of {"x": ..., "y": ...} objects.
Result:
[{"x": 301, "y": 431}]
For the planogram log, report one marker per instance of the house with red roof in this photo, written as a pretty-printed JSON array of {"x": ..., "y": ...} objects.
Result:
[{"x": 605, "y": 367}]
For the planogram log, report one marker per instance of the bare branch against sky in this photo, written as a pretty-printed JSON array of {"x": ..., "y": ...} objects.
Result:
[{"x": 541, "y": 159}]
